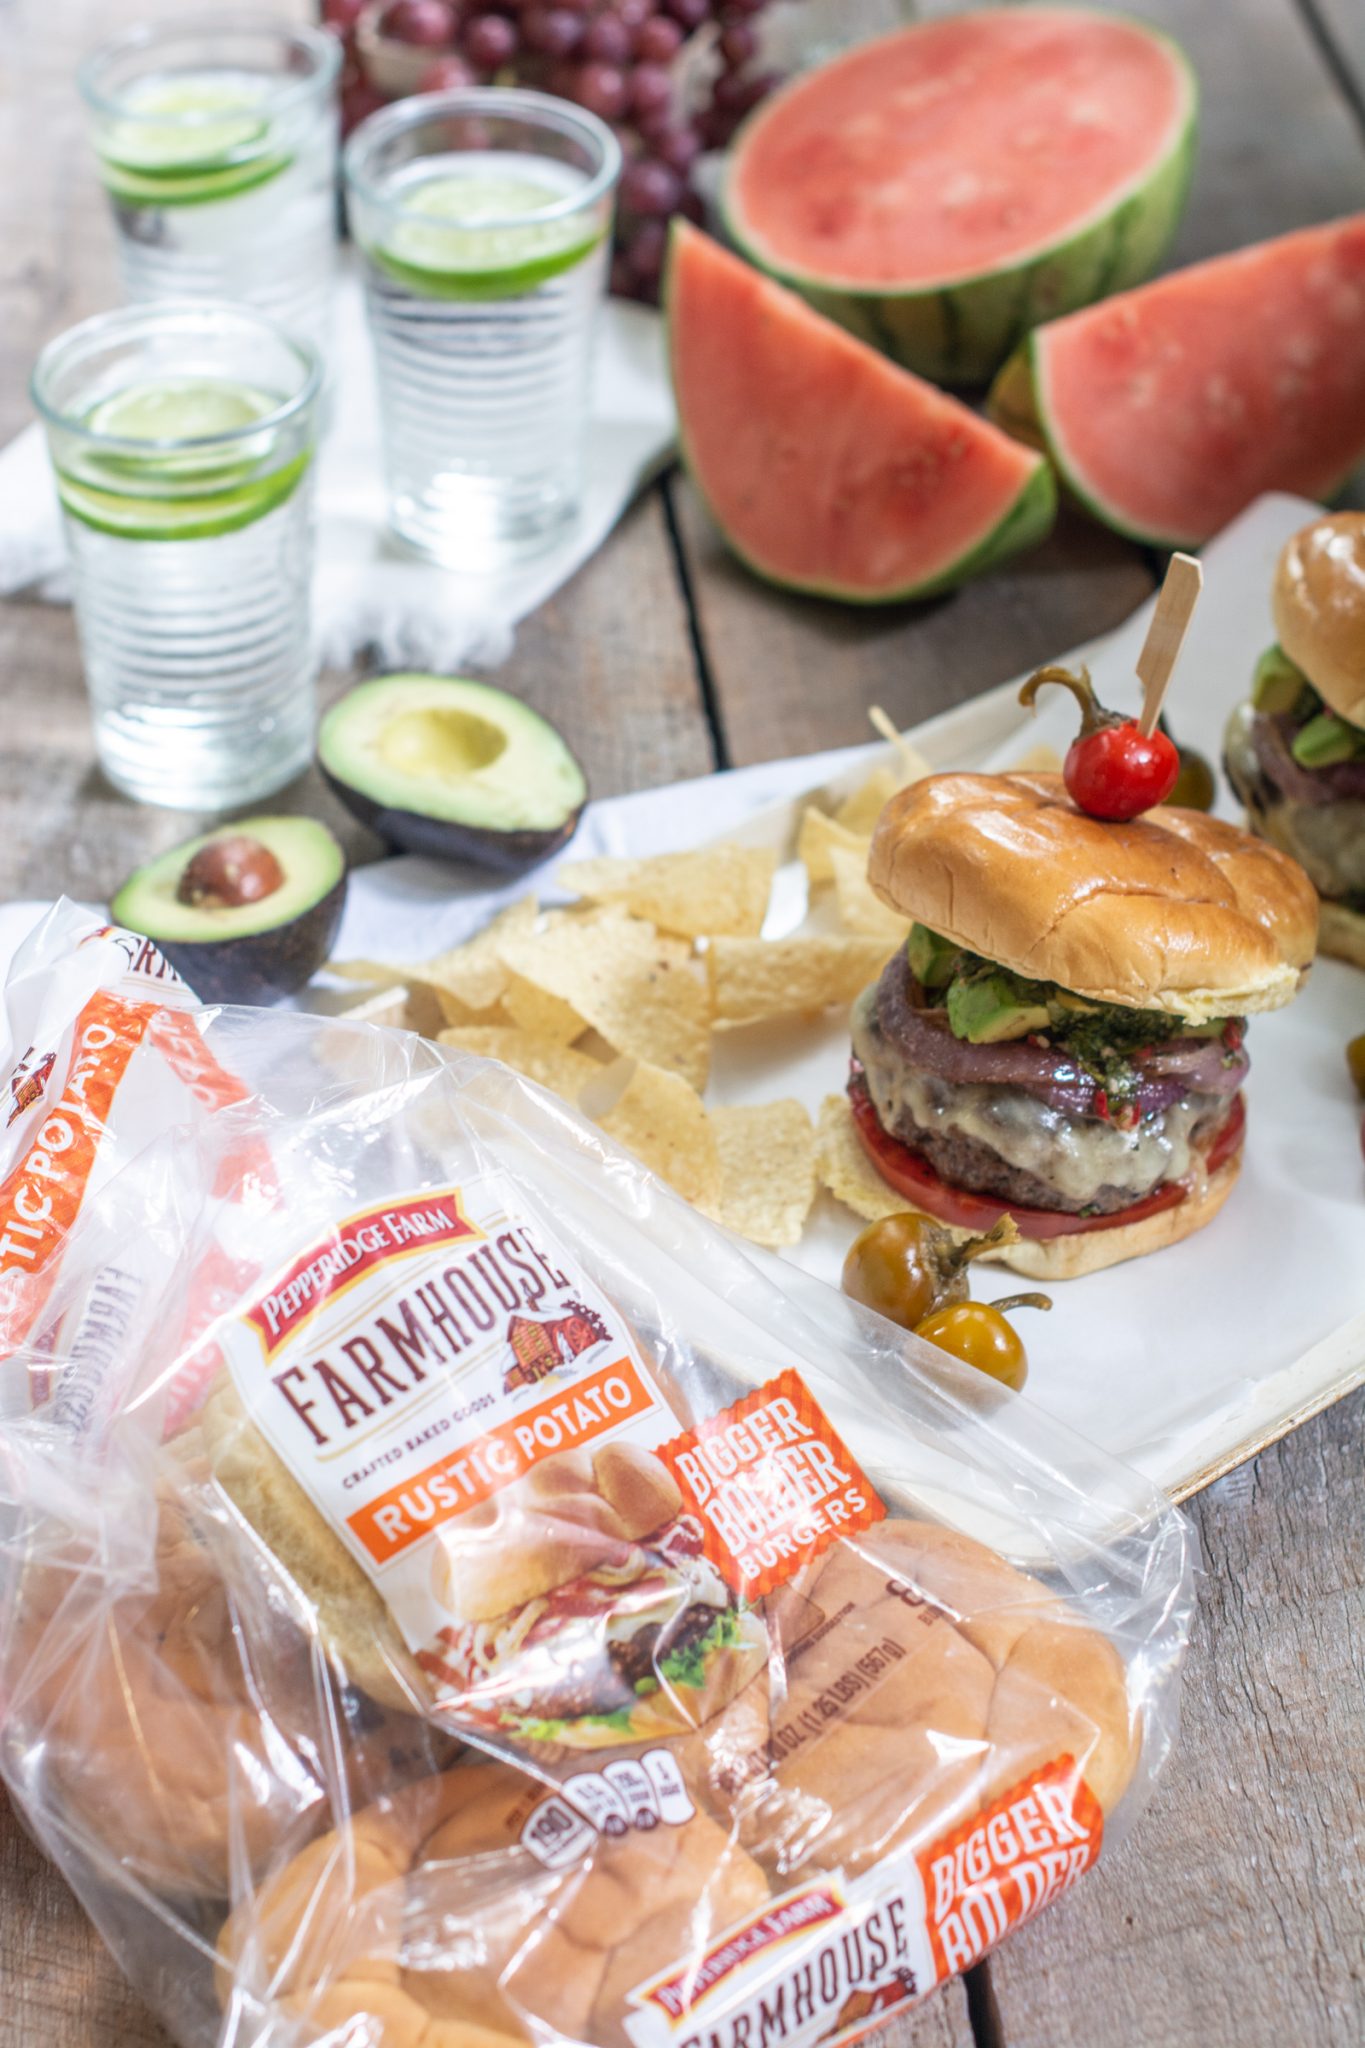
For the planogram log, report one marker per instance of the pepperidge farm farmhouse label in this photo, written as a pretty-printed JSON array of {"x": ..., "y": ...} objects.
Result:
[{"x": 425, "y": 1353}]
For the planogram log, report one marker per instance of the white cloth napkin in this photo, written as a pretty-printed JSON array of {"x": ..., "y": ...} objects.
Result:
[{"x": 371, "y": 598}]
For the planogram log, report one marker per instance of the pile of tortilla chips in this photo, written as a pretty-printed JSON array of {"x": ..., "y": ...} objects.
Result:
[{"x": 613, "y": 1002}]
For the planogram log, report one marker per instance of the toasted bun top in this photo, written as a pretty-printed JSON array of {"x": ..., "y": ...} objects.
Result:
[
  {"x": 1175, "y": 911},
  {"x": 1319, "y": 606},
  {"x": 572, "y": 1513}
]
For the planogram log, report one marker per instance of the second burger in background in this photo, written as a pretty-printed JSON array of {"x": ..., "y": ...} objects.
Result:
[
  {"x": 1295, "y": 753},
  {"x": 1062, "y": 1038}
]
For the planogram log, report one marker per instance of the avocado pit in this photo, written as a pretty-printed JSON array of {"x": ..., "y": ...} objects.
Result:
[{"x": 228, "y": 873}]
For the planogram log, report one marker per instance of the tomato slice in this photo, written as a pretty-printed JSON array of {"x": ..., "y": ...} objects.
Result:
[
  {"x": 1229, "y": 1136},
  {"x": 911, "y": 1175}
]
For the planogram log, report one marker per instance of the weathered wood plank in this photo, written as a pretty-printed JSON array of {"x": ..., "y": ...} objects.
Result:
[
  {"x": 61, "y": 1987},
  {"x": 795, "y": 674},
  {"x": 1235, "y": 1912},
  {"x": 1341, "y": 26}
]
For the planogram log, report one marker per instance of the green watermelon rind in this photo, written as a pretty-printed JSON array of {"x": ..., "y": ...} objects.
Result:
[
  {"x": 1036, "y": 429},
  {"x": 1026, "y": 520},
  {"x": 960, "y": 330}
]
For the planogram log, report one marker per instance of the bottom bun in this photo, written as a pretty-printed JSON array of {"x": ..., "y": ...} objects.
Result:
[
  {"x": 1090, "y": 1251},
  {"x": 1341, "y": 933}
]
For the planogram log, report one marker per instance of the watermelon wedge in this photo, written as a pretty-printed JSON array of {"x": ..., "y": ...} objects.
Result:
[
  {"x": 1169, "y": 409},
  {"x": 826, "y": 467},
  {"x": 942, "y": 190}
]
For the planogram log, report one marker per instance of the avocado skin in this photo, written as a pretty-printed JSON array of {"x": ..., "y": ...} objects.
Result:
[
  {"x": 259, "y": 967},
  {"x": 444, "y": 839}
]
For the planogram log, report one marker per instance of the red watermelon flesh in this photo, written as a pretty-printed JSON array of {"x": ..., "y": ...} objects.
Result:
[
  {"x": 955, "y": 149},
  {"x": 1168, "y": 409},
  {"x": 827, "y": 466}
]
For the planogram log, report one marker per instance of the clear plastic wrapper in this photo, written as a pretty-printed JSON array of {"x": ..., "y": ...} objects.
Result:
[{"x": 454, "y": 1595}]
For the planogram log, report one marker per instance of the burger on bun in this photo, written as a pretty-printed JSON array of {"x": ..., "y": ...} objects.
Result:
[
  {"x": 1062, "y": 1038},
  {"x": 1295, "y": 753},
  {"x": 583, "y": 1611}
]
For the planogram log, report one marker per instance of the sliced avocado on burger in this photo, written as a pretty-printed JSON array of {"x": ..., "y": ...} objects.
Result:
[
  {"x": 458, "y": 769},
  {"x": 246, "y": 913}
]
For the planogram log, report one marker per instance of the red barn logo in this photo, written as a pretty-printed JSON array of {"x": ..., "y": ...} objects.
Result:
[{"x": 538, "y": 1348}]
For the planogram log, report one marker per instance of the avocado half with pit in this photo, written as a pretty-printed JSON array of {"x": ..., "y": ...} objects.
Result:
[
  {"x": 453, "y": 768},
  {"x": 245, "y": 914}
]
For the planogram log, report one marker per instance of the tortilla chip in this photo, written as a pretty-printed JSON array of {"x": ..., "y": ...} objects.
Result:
[
  {"x": 374, "y": 973},
  {"x": 640, "y": 991},
  {"x": 1039, "y": 760},
  {"x": 860, "y": 907},
  {"x": 661, "y": 1120},
  {"x": 723, "y": 888},
  {"x": 541, "y": 1014},
  {"x": 380, "y": 1006},
  {"x": 753, "y": 978},
  {"x": 845, "y": 1169},
  {"x": 473, "y": 973},
  {"x": 556, "y": 1067},
  {"x": 767, "y": 1170},
  {"x": 818, "y": 836},
  {"x": 423, "y": 1008},
  {"x": 860, "y": 812}
]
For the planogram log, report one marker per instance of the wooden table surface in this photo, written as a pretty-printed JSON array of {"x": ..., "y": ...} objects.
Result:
[{"x": 1235, "y": 1913}]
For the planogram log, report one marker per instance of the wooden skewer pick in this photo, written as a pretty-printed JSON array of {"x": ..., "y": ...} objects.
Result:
[{"x": 1170, "y": 622}]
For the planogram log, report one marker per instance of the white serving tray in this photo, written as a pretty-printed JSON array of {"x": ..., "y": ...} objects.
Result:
[{"x": 1183, "y": 1364}]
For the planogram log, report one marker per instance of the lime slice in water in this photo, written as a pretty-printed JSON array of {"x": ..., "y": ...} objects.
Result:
[
  {"x": 185, "y": 492},
  {"x": 193, "y": 409},
  {"x": 187, "y": 140},
  {"x": 463, "y": 240}
]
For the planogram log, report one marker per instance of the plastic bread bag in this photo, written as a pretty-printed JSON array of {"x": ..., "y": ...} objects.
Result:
[{"x": 455, "y": 1595}]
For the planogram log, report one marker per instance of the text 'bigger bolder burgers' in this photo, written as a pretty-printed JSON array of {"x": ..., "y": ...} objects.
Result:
[
  {"x": 1062, "y": 1039},
  {"x": 1295, "y": 753}
]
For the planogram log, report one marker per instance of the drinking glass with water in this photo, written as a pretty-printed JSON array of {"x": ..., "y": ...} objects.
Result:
[
  {"x": 484, "y": 217},
  {"x": 217, "y": 147},
  {"x": 182, "y": 439}
]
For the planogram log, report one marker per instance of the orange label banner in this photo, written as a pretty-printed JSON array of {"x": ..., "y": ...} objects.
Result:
[
  {"x": 1007, "y": 1863},
  {"x": 599, "y": 1402},
  {"x": 772, "y": 1483},
  {"x": 40, "y": 1199}
]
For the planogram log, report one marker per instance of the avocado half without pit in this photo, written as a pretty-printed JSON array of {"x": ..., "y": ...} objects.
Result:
[
  {"x": 453, "y": 768},
  {"x": 245, "y": 914}
]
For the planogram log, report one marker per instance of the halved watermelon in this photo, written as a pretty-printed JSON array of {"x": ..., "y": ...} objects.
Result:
[
  {"x": 942, "y": 190},
  {"x": 825, "y": 466},
  {"x": 1169, "y": 409}
]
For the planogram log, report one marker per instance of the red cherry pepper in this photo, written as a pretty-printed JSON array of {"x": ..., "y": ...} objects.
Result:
[{"x": 1112, "y": 770}]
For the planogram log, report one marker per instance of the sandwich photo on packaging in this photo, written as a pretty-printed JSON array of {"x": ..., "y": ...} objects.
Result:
[{"x": 454, "y": 1594}]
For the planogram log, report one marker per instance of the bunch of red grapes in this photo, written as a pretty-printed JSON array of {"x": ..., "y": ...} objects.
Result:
[{"x": 618, "y": 58}]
